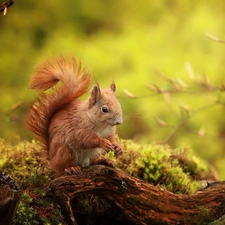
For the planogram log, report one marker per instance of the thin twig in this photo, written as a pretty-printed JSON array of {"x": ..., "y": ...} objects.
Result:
[
  {"x": 5, "y": 5},
  {"x": 172, "y": 91},
  {"x": 185, "y": 120},
  {"x": 173, "y": 131},
  {"x": 214, "y": 38},
  {"x": 13, "y": 108}
]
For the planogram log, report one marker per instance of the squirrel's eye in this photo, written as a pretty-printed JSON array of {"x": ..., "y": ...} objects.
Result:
[{"x": 105, "y": 109}]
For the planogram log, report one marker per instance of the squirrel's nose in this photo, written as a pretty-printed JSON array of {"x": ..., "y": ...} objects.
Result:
[{"x": 119, "y": 121}]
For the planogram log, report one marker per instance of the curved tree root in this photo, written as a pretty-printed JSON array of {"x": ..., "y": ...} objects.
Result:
[{"x": 140, "y": 202}]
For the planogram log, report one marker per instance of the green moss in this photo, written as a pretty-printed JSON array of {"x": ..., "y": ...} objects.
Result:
[
  {"x": 220, "y": 221},
  {"x": 204, "y": 217},
  {"x": 22, "y": 161},
  {"x": 25, "y": 214},
  {"x": 24, "y": 164},
  {"x": 150, "y": 165},
  {"x": 35, "y": 209},
  {"x": 192, "y": 164},
  {"x": 176, "y": 170}
]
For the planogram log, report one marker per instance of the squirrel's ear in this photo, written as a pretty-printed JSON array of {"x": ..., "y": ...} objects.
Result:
[
  {"x": 113, "y": 86},
  {"x": 95, "y": 95}
]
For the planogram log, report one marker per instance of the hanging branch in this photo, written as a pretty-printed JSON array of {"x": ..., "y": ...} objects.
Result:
[{"x": 5, "y": 5}]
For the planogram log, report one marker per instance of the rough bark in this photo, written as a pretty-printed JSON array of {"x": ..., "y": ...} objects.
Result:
[
  {"x": 9, "y": 198},
  {"x": 138, "y": 201}
]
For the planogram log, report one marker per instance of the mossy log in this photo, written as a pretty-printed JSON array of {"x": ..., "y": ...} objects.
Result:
[
  {"x": 9, "y": 198},
  {"x": 140, "y": 202}
]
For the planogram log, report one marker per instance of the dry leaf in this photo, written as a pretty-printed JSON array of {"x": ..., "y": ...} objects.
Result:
[
  {"x": 182, "y": 83},
  {"x": 167, "y": 97},
  {"x": 185, "y": 107},
  {"x": 216, "y": 39},
  {"x": 151, "y": 87},
  {"x": 161, "y": 122},
  {"x": 129, "y": 94},
  {"x": 190, "y": 71},
  {"x": 201, "y": 132}
]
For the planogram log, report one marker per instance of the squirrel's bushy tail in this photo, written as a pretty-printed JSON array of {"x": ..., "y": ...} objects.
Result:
[{"x": 75, "y": 82}]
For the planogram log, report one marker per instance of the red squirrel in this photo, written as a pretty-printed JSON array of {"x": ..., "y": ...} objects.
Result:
[{"x": 73, "y": 132}]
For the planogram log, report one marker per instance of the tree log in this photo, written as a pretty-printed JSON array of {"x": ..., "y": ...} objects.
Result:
[
  {"x": 9, "y": 198},
  {"x": 138, "y": 201}
]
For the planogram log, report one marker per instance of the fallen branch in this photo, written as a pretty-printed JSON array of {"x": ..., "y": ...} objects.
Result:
[{"x": 138, "y": 201}]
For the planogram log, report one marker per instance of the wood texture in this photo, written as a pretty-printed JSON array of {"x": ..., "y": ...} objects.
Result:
[
  {"x": 9, "y": 198},
  {"x": 140, "y": 202}
]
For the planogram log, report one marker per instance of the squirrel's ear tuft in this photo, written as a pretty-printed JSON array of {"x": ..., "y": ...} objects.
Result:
[
  {"x": 95, "y": 95},
  {"x": 113, "y": 86}
]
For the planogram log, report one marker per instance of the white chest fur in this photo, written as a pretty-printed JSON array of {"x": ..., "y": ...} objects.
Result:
[{"x": 86, "y": 156}]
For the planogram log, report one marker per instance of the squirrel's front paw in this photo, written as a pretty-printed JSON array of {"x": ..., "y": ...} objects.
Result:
[
  {"x": 74, "y": 170},
  {"x": 117, "y": 149},
  {"x": 106, "y": 144}
]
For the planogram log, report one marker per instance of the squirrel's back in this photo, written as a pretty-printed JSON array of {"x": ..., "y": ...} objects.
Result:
[{"x": 75, "y": 82}]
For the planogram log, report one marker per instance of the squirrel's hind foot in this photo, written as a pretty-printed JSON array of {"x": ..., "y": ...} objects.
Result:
[
  {"x": 74, "y": 170},
  {"x": 103, "y": 161}
]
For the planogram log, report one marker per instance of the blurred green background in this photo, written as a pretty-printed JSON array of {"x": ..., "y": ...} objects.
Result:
[{"x": 127, "y": 41}]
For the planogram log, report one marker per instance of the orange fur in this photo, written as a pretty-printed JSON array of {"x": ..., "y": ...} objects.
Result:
[{"x": 72, "y": 132}]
